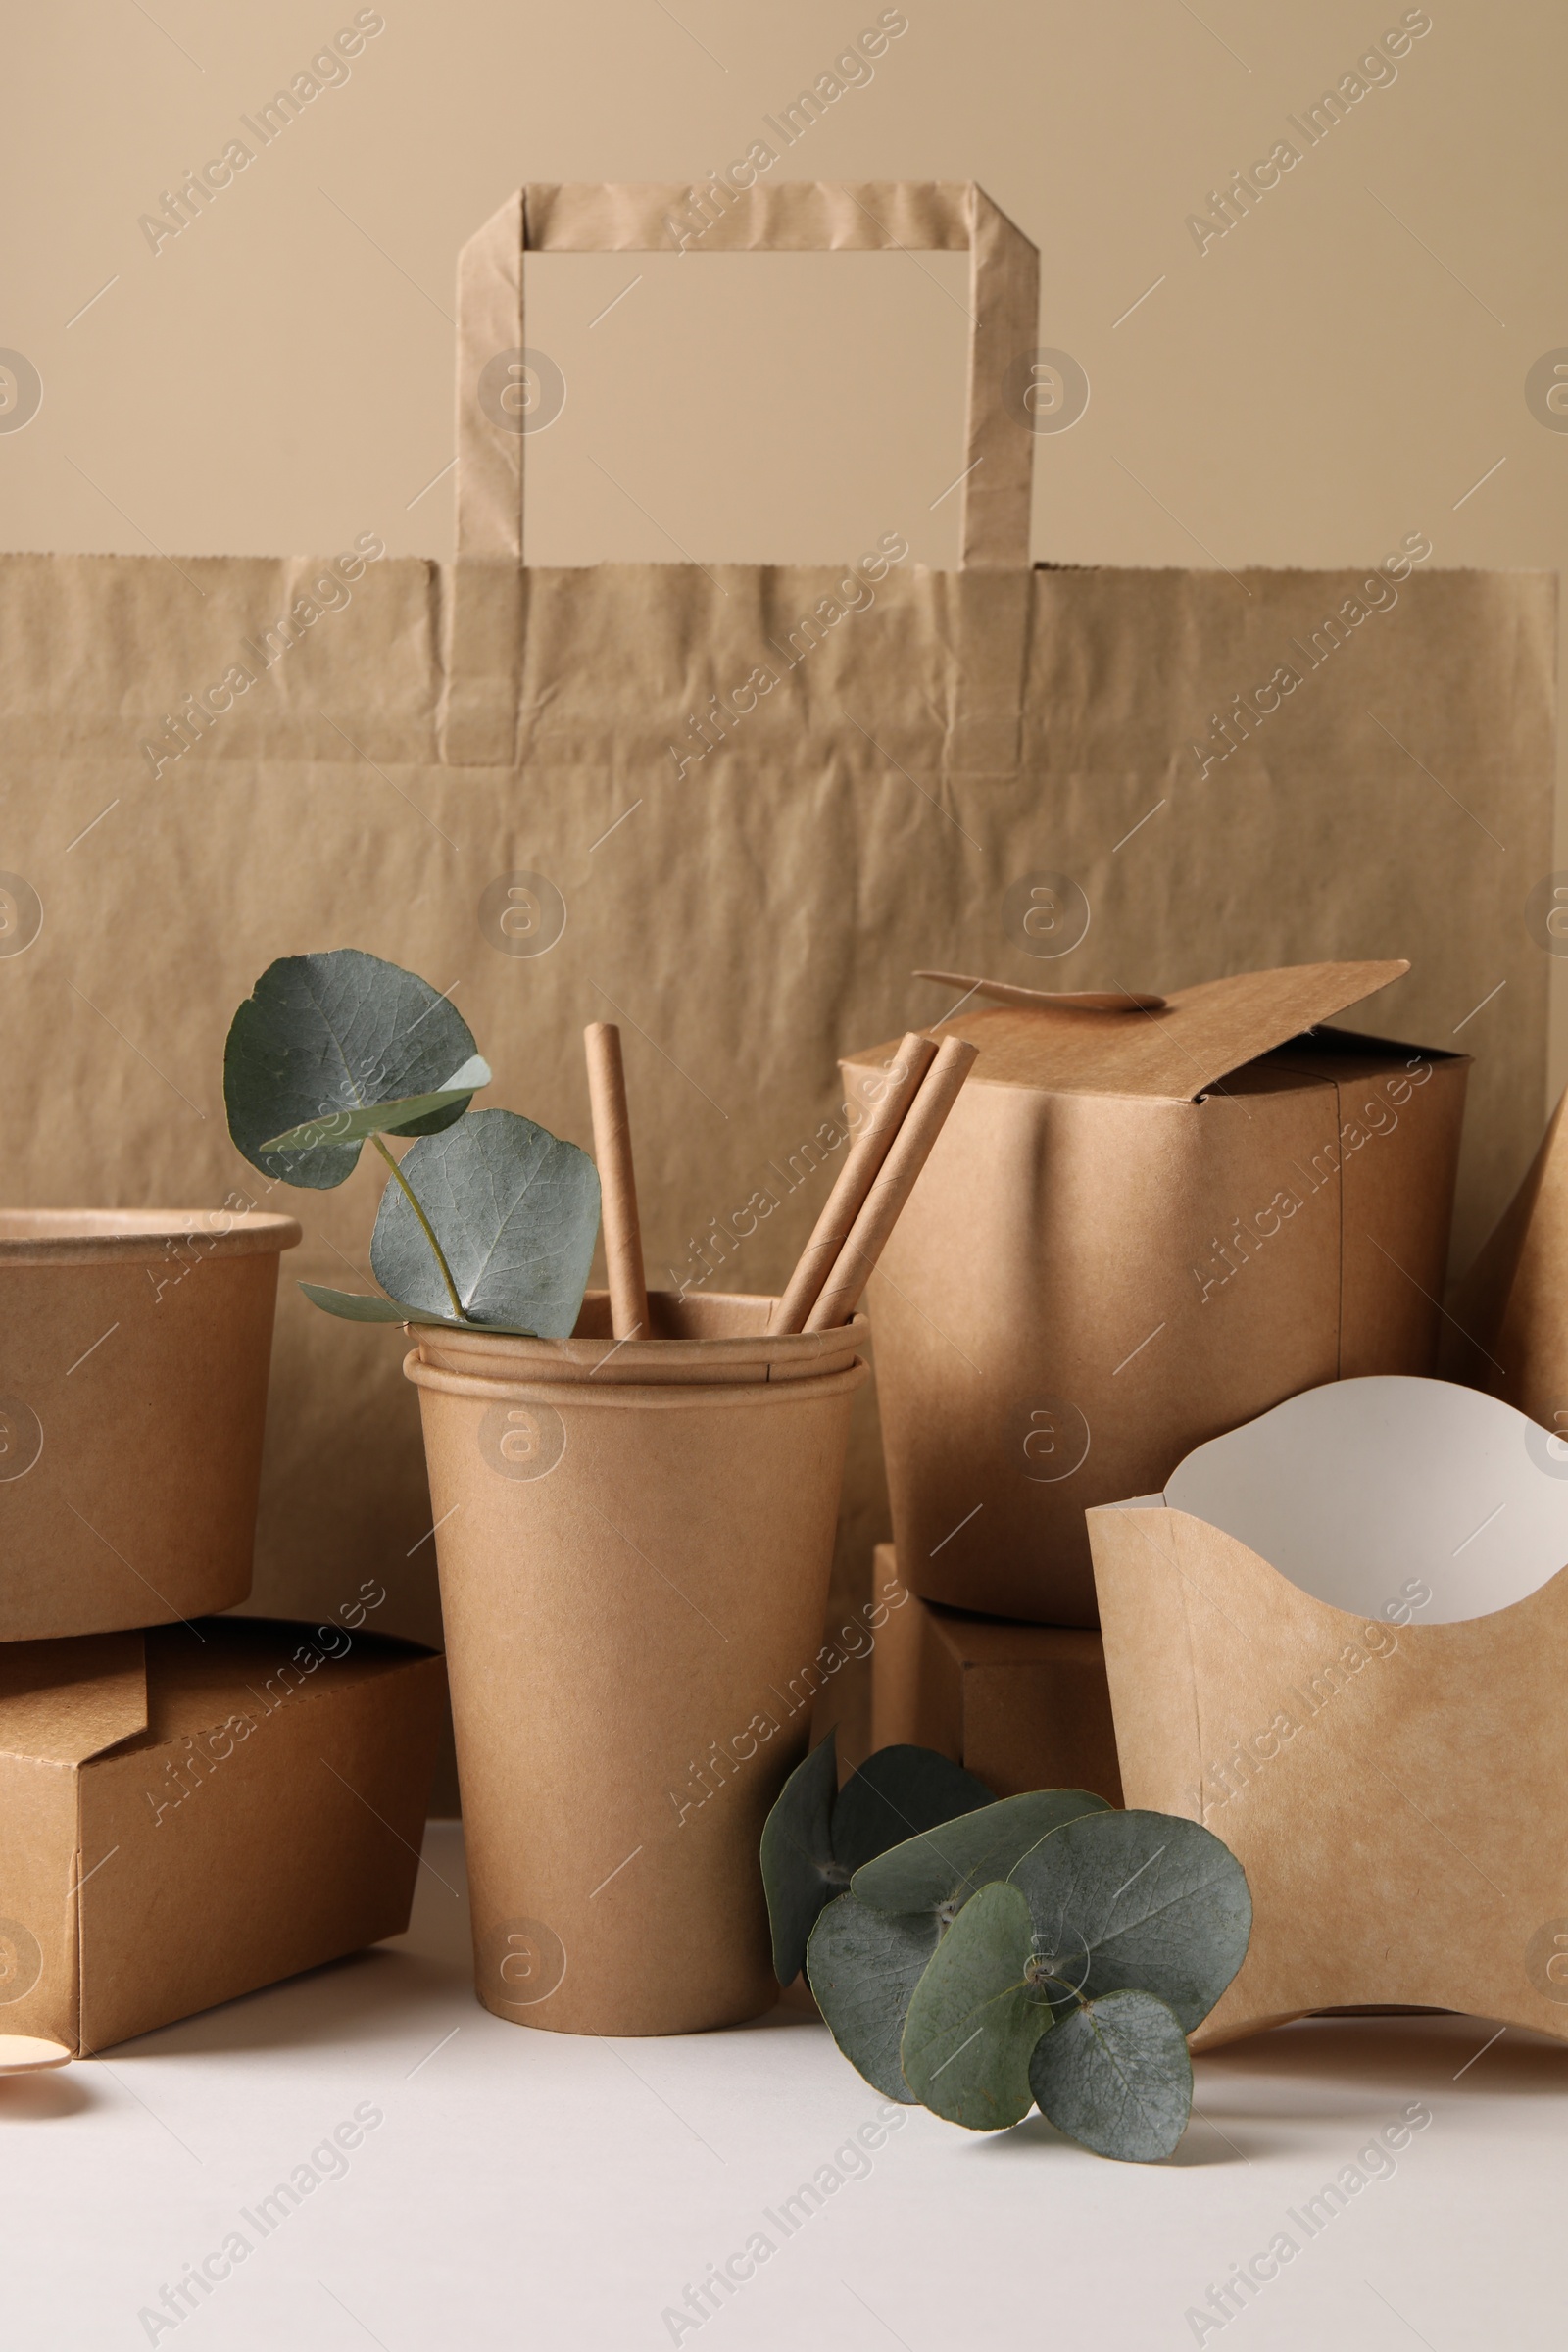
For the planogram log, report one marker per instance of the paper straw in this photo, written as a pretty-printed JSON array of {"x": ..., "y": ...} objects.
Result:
[
  {"x": 884, "y": 1202},
  {"x": 617, "y": 1183},
  {"x": 859, "y": 1173}
]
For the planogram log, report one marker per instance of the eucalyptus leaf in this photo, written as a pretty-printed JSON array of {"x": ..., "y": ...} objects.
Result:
[
  {"x": 896, "y": 1795},
  {"x": 1144, "y": 1901},
  {"x": 363, "y": 1306},
  {"x": 517, "y": 1213},
  {"x": 326, "y": 1033},
  {"x": 812, "y": 1842},
  {"x": 1116, "y": 2076},
  {"x": 380, "y": 1118},
  {"x": 975, "y": 2018},
  {"x": 862, "y": 1967},
  {"x": 938, "y": 1870},
  {"x": 799, "y": 1874}
]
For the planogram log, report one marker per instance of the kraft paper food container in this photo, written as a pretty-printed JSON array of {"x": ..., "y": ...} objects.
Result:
[
  {"x": 1340, "y": 1639},
  {"x": 1020, "y": 1706},
  {"x": 633, "y": 1582},
  {"x": 1508, "y": 1330},
  {"x": 134, "y": 1346},
  {"x": 706, "y": 1338},
  {"x": 1136, "y": 1230},
  {"x": 193, "y": 1812}
]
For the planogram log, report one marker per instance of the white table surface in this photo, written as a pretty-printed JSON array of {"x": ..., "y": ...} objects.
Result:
[{"x": 532, "y": 2190}]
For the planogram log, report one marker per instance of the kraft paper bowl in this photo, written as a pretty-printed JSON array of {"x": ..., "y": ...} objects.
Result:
[
  {"x": 633, "y": 1582},
  {"x": 134, "y": 1347}
]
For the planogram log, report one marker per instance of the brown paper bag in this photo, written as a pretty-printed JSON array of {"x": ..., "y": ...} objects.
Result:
[{"x": 568, "y": 795}]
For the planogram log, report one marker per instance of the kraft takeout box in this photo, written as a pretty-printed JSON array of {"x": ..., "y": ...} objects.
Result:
[
  {"x": 1020, "y": 1706},
  {"x": 192, "y": 1812},
  {"x": 134, "y": 1347},
  {"x": 1136, "y": 1230},
  {"x": 1509, "y": 1329},
  {"x": 1340, "y": 1639}
]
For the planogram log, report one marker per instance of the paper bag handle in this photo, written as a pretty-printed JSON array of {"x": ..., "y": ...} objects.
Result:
[{"x": 790, "y": 216}]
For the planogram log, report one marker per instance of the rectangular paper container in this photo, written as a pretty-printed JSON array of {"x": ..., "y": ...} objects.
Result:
[
  {"x": 192, "y": 1812},
  {"x": 1020, "y": 1706}
]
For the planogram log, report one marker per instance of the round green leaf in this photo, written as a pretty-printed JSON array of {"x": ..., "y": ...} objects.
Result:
[
  {"x": 812, "y": 1839},
  {"x": 363, "y": 1306},
  {"x": 896, "y": 1795},
  {"x": 1146, "y": 1901},
  {"x": 1116, "y": 2076},
  {"x": 326, "y": 1033},
  {"x": 402, "y": 1117},
  {"x": 941, "y": 1868},
  {"x": 862, "y": 1967},
  {"x": 798, "y": 1872},
  {"x": 974, "y": 2019},
  {"x": 517, "y": 1212}
]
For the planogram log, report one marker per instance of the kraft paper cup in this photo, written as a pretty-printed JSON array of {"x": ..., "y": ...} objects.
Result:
[
  {"x": 134, "y": 1346},
  {"x": 633, "y": 1582},
  {"x": 721, "y": 1337}
]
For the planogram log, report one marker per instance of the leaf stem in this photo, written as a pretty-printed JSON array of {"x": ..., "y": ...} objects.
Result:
[
  {"x": 411, "y": 1198},
  {"x": 1049, "y": 1976}
]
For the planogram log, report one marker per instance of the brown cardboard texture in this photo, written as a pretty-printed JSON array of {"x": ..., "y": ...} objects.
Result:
[
  {"x": 192, "y": 1812},
  {"x": 1389, "y": 1772},
  {"x": 134, "y": 1346},
  {"x": 1137, "y": 1230},
  {"x": 1020, "y": 1706},
  {"x": 633, "y": 1580}
]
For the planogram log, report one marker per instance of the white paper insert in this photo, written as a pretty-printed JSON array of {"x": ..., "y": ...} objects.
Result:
[{"x": 1414, "y": 1500}]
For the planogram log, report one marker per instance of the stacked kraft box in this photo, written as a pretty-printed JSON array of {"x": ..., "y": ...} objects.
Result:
[{"x": 192, "y": 1805}]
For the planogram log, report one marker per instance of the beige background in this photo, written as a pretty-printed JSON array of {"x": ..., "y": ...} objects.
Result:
[{"x": 1346, "y": 367}]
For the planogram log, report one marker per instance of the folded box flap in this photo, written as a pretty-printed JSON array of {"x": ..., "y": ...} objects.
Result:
[
  {"x": 1194, "y": 1040},
  {"x": 1223, "y": 1023},
  {"x": 64, "y": 1701}
]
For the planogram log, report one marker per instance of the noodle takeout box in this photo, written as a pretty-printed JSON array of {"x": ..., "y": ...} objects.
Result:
[{"x": 1138, "y": 1229}]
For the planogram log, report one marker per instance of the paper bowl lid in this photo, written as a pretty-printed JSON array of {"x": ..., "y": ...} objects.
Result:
[{"x": 1416, "y": 1501}]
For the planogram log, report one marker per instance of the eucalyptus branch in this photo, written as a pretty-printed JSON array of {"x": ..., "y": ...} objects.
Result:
[
  {"x": 519, "y": 1207},
  {"x": 941, "y": 1972}
]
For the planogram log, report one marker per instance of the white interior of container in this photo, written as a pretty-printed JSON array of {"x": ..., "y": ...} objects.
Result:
[{"x": 1414, "y": 1500}]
